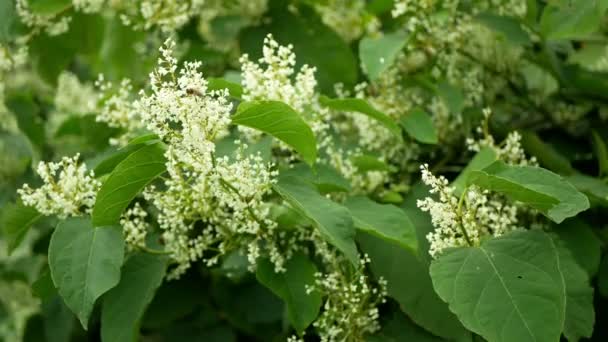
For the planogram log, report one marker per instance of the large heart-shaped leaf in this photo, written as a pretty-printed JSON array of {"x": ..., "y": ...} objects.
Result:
[{"x": 85, "y": 263}]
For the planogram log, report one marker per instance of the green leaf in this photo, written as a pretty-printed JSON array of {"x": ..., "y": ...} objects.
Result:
[
  {"x": 383, "y": 220},
  {"x": 333, "y": 220},
  {"x": 508, "y": 289},
  {"x": 124, "y": 305},
  {"x": 48, "y": 7},
  {"x": 108, "y": 164},
  {"x": 377, "y": 54},
  {"x": 419, "y": 125},
  {"x": 546, "y": 154},
  {"x": 409, "y": 283},
  {"x": 125, "y": 182},
  {"x": 366, "y": 162},
  {"x": 290, "y": 286},
  {"x": 541, "y": 189},
  {"x": 17, "y": 219},
  {"x": 481, "y": 160},
  {"x": 602, "y": 277},
  {"x": 582, "y": 242},
  {"x": 571, "y": 20},
  {"x": 601, "y": 152},
  {"x": 235, "y": 89},
  {"x": 10, "y": 26},
  {"x": 28, "y": 117},
  {"x": 580, "y": 314},
  {"x": 326, "y": 178},
  {"x": 451, "y": 95},
  {"x": 363, "y": 107},
  {"x": 280, "y": 121},
  {"x": 401, "y": 329},
  {"x": 595, "y": 189},
  {"x": 85, "y": 263},
  {"x": 509, "y": 27}
]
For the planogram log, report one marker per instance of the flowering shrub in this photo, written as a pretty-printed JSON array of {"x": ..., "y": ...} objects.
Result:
[{"x": 303, "y": 170}]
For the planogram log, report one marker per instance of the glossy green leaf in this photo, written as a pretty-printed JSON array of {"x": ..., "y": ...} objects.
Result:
[
  {"x": 363, "y": 107},
  {"x": 16, "y": 221},
  {"x": 333, "y": 220},
  {"x": 383, "y": 220},
  {"x": 85, "y": 263},
  {"x": 508, "y": 289},
  {"x": 539, "y": 188},
  {"x": 124, "y": 305},
  {"x": 378, "y": 53},
  {"x": 282, "y": 122},
  {"x": 290, "y": 286},
  {"x": 127, "y": 180},
  {"x": 419, "y": 125}
]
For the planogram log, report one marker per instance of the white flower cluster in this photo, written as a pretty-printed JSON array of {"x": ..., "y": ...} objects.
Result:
[
  {"x": 117, "y": 110},
  {"x": 68, "y": 189},
  {"x": 52, "y": 24},
  {"x": 169, "y": 15},
  {"x": 348, "y": 18},
  {"x": 351, "y": 304},
  {"x": 510, "y": 151},
  {"x": 270, "y": 78},
  {"x": 464, "y": 221},
  {"x": 134, "y": 226},
  {"x": 74, "y": 97},
  {"x": 208, "y": 206}
]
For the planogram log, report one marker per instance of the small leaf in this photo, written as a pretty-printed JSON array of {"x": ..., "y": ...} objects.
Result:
[
  {"x": 85, "y": 263},
  {"x": 326, "y": 178},
  {"x": 290, "y": 286},
  {"x": 333, "y": 220},
  {"x": 363, "y": 107},
  {"x": 48, "y": 7},
  {"x": 124, "y": 305},
  {"x": 539, "y": 188},
  {"x": 508, "y": 289},
  {"x": 509, "y": 27},
  {"x": 234, "y": 89},
  {"x": 124, "y": 183},
  {"x": 365, "y": 163},
  {"x": 17, "y": 219},
  {"x": 280, "y": 121},
  {"x": 383, "y": 220},
  {"x": 108, "y": 164},
  {"x": 378, "y": 54},
  {"x": 419, "y": 125}
]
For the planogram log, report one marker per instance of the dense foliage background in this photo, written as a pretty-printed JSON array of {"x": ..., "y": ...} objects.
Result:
[{"x": 303, "y": 170}]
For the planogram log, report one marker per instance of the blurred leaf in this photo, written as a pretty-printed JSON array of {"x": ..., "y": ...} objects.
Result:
[
  {"x": 10, "y": 25},
  {"x": 595, "y": 189},
  {"x": 601, "y": 152},
  {"x": 28, "y": 117},
  {"x": 58, "y": 320},
  {"x": 585, "y": 247},
  {"x": 546, "y": 154},
  {"x": 17, "y": 219},
  {"x": 508, "y": 27},
  {"x": 48, "y": 7},
  {"x": 419, "y": 125},
  {"x": 451, "y": 95},
  {"x": 377, "y": 54},
  {"x": 363, "y": 107},
  {"x": 366, "y": 162},
  {"x": 572, "y": 20},
  {"x": 235, "y": 89}
]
